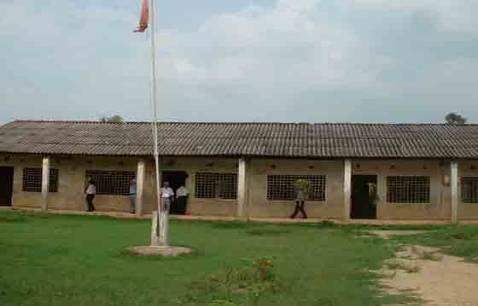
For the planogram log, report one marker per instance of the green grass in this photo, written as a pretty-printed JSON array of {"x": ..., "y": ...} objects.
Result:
[
  {"x": 81, "y": 260},
  {"x": 458, "y": 240}
]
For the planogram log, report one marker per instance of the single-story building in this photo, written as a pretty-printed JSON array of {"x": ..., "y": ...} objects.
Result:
[{"x": 371, "y": 171}]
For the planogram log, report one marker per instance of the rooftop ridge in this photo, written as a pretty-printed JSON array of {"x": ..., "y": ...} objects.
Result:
[
  {"x": 242, "y": 123},
  {"x": 261, "y": 139}
]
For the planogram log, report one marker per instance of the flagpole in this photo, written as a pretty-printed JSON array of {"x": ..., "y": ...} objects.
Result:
[{"x": 161, "y": 238}]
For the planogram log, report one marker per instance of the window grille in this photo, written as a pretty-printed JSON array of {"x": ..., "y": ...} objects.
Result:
[
  {"x": 216, "y": 185},
  {"x": 469, "y": 190},
  {"x": 282, "y": 187},
  {"x": 408, "y": 189},
  {"x": 111, "y": 182},
  {"x": 32, "y": 180}
]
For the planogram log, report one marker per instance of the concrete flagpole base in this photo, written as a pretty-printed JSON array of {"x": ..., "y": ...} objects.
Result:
[
  {"x": 166, "y": 251},
  {"x": 159, "y": 244},
  {"x": 159, "y": 232}
]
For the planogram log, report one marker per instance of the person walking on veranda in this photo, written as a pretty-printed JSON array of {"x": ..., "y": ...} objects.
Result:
[
  {"x": 132, "y": 196},
  {"x": 167, "y": 195},
  {"x": 90, "y": 192},
  {"x": 301, "y": 189},
  {"x": 182, "y": 199}
]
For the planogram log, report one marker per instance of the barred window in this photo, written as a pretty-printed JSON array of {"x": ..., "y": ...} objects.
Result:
[
  {"x": 469, "y": 190},
  {"x": 216, "y": 185},
  {"x": 32, "y": 180},
  {"x": 111, "y": 182},
  {"x": 408, "y": 189},
  {"x": 282, "y": 187}
]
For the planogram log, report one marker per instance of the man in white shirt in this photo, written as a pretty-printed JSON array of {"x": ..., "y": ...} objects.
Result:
[
  {"x": 90, "y": 192},
  {"x": 300, "y": 196},
  {"x": 181, "y": 199},
  {"x": 167, "y": 194}
]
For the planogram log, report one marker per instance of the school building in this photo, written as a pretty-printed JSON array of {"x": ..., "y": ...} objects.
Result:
[{"x": 355, "y": 171}]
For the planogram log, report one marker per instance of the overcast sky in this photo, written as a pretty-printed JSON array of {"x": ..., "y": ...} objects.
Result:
[{"x": 242, "y": 60}]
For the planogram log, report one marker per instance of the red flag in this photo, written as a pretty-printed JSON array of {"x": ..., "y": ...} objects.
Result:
[{"x": 143, "y": 21}]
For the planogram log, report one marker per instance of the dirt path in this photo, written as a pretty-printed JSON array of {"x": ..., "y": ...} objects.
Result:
[{"x": 435, "y": 278}]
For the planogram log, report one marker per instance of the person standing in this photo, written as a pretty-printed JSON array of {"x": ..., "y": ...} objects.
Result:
[
  {"x": 182, "y": 199},
  {"x": 132, "y": 196},
  {"x": 167, "y": 195},
  {"x": 299, "y": 203},
  {"x": 90, "y": 192}
]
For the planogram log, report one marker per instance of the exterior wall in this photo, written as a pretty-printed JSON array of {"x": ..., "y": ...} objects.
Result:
[
  {"x": 191, "y": 165},
  {"x": 439, "y": 207},
  {"x": 20, "y": 198},
  {"x": 467, "y": 211},
  {"x": 260, "y": 206},
  {"x": 72, "y": 181}
]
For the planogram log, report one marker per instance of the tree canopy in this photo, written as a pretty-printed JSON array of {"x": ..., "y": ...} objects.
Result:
[
  {"x": 114, "y": 119},
  {"x": 455, "y": 119}
]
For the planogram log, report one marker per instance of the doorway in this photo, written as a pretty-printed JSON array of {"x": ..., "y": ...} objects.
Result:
[
  {"x": 6, "y": 186},
  {"x": 364, "y": 193},
  {"x": 175, "y": 179}
]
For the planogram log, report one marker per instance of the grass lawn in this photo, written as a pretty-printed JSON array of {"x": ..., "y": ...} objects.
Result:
[
  {"x": 461, "y": 240},
  {"x": 81, "y": 260}
]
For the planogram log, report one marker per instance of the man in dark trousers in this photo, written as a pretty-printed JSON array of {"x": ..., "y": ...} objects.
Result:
[
  {"x": 182, "y": 199},
  {"x": 132, "y": 196},
  {"x": 90, "y": 192},
  {"x": 299, "y": 204}
]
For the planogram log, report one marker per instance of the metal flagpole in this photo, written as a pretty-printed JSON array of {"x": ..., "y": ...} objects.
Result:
[{"x": 161, "y": 231}]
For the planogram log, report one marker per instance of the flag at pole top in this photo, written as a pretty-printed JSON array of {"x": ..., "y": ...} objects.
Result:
[{"x": 143, "y": 21}]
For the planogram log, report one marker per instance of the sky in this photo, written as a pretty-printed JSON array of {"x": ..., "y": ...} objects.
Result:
[{"x": 241, "y": 60}]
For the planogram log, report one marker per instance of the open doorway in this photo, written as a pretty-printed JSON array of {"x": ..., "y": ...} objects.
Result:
[
  {"x": 364, "y": 192},
  {"x": 6, "y": 186},
  {"x": 175, "y": 179}
]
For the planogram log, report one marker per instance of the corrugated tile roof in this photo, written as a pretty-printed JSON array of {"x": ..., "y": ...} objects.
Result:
[{"x": 320, "y": 140}]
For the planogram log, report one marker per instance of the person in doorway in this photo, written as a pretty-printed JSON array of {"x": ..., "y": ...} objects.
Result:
[
  {"x": 182, "y": 199},
  {"x": 132, "y": 196},
  {"x": 299, "y": 204},
  {"x": 167, "y": 195},
  {"x": 90, "y": 192}
]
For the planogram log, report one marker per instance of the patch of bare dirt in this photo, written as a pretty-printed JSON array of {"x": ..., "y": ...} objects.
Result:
[{"x": 431, "y": 276}]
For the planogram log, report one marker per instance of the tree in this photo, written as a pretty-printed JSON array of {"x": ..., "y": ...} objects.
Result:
[
  {"x": 114, "y": 119},
  {"x": 455, "y": 119}
]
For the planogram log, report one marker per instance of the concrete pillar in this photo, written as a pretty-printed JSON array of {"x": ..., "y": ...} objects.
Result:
[
  {"x": 242, "y": 192},
  {"x": 45, "y": 182},
  {"x": 140, "y": 175},
  {"x": 454, "y": 191},
  {"x": 347, "y": 188}
]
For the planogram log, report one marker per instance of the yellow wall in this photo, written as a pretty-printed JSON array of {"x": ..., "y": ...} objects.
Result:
[
  {"x": 72, "y": 178},
  {"x": 191, "y": 165},
  {"x": 71, "y": 182},
  {"x": 467, "y": 211},
  {"x": 439, "y": 206},
  {"x": 260, "y": 206}
]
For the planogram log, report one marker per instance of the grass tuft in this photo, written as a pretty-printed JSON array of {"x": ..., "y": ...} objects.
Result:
[
  {"x": 461, "y": 240},
  {"x": 327, "y": 224},
  {"x": 12, "y": 218},
  {"x": 267, "y": 231},
  {"x": 402, "y": 265},
  {"x": 229, "y": 225},
  {"x": 247, "y": 283}
]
